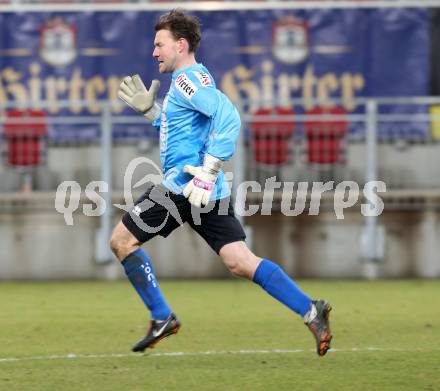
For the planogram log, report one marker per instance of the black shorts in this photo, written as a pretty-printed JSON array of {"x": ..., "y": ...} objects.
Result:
[{"x": 159, "y": 212}]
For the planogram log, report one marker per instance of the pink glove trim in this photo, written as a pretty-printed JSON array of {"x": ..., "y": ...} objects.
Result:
[{"x": 202, "y": 184}]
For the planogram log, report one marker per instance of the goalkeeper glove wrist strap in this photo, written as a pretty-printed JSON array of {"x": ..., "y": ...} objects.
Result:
[
  {"x": 212, "y": 165},
  {"x": 154, "y": 112}
]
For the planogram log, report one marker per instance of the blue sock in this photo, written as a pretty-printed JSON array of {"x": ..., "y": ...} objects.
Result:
[
  {"x": 140, "y": 272},
  {"x": 280, "y": 286}
]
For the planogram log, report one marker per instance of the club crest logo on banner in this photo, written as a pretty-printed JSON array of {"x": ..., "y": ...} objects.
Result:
[
  {"x": 58, "y": 42},
  {"x": 290, "y": 40}
]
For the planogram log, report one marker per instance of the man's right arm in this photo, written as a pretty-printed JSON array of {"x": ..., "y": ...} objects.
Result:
[{"x": 133, "y": 92}]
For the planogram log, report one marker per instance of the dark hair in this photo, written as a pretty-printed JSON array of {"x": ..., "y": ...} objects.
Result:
[{"x": 181, "y": 26}]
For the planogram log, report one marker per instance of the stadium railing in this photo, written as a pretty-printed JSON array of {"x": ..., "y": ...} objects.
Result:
[{"x": 300, "y": 141}]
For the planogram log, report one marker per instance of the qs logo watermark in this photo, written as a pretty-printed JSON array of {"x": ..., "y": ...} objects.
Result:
[
  {"x": 295, "y": 197},
  {"x": 68, "y": 194}
]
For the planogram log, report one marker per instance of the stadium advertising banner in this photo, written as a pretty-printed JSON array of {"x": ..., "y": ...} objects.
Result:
[{"x": 259, "y": 58}]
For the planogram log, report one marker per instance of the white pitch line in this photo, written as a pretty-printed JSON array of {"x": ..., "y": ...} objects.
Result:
[{"x": 73, "y": 356}]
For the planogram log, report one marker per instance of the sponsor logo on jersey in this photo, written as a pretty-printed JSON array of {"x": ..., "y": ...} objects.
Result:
[
  {"x": 204, "y": 78},
  {"x": 185, "y": 85},
  {"x": 164, "y": 127}
]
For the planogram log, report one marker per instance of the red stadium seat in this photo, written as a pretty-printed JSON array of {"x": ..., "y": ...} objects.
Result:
[
  {"x": 270, "y": 138},
  {"x": 25, "y": 142},
  {"x": 324, "y": 139}
]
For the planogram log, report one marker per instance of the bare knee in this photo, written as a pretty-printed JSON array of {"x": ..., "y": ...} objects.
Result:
[
  {"x": 240, "y": 261},
  {"x": 123, "y": 242}
]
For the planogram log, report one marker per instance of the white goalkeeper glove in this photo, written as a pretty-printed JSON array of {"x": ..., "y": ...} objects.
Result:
[
  {"x": 133, "y": 92},
  {"x": 199, "y": 189}
]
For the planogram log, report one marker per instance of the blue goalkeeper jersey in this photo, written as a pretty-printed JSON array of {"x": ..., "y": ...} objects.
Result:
[{"x": 196, "y": 119}]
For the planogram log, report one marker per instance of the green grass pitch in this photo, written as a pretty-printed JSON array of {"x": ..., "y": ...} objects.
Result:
[{"x": 77, "y": 336}]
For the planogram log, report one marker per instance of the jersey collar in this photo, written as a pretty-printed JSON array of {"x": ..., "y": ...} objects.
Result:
[{"x": 186, "y": 69}]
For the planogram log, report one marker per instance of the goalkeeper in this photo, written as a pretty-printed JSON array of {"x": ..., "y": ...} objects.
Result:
[{"x": 198, "y": 129}]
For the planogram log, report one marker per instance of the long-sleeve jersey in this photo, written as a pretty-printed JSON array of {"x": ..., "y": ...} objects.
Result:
[{"x": 196, "y": 119}]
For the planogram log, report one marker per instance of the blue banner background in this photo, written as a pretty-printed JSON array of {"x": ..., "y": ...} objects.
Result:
[{"x": 346, "y": 53}]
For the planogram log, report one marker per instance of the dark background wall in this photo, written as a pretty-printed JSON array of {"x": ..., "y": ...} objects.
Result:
[{"x": 435, "y": 52}]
